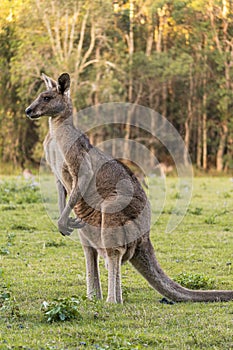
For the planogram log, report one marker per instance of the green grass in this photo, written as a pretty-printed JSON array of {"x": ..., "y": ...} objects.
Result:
[{"x": 38, "y": 265}]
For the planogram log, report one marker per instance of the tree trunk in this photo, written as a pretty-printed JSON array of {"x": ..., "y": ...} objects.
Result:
[
  {"x": 204, "y": 118},
  {"x": 189, "y": 118},
  {"x": 221, "y": 146},
  {"x": 130, "y": 89},
  {"x": 199, "y": 141},
  {"x": 204, "y": 138}
]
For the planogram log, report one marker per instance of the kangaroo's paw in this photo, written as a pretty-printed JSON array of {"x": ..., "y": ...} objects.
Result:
[
  {"x": 76, "y": 223},
  {"x": 64, "y": 228}
]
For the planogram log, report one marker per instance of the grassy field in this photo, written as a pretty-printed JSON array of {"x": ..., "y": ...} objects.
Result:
[{"x": 38, "y": 265}]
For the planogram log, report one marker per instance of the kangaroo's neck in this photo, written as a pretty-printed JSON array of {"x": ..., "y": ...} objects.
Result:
[
  {"x": 61, "y": 121},
  {"x": 63, "y": 131}
]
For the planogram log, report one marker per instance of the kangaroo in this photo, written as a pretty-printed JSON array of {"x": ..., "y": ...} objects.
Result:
[{"x": 111, "y": 207}]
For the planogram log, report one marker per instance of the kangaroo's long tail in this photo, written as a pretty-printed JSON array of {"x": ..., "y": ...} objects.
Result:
[{"x": 145, "y": 262}]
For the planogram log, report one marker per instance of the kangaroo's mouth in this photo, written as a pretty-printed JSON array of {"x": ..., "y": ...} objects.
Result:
[{"x": 31, "y": 115}]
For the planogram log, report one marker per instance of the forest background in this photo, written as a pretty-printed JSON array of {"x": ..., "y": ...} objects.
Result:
[{"x": 175, "y": 57}]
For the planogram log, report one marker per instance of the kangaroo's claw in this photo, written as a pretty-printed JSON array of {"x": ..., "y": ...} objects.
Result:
[
  {"x": 76, "y": 223},
  {"x": 67, "y": 227},
  {"x": 64, "y": 228}
]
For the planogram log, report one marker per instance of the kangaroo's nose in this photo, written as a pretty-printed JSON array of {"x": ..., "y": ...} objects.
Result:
[{"x": 28, "y": 111}]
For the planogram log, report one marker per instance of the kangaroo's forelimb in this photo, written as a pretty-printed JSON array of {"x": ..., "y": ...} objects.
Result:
[
  {"x": 66, "y": 227},
  {"x": 79, "y": 187},
  {"x": 62, "y": 194}
]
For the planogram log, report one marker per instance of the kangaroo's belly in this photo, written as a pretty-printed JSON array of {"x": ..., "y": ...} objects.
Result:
[{"x": 106, "y": 228}]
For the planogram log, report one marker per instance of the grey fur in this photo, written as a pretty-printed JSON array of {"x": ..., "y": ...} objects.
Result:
[{"x": 112, "y": 210}]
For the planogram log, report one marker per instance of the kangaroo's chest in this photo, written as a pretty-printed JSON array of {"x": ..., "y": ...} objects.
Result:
[{"x": 57, "y": 162}]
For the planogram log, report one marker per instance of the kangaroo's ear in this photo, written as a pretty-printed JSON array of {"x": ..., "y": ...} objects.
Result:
[
  {"x": 64, "y": 84},
  {"x": 50, "y": 83}
]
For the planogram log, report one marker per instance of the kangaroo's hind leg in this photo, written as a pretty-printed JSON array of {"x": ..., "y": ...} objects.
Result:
[
  {"x": 113, "y": 242},
  {"x": 114, "y": 257},
  {"x": 92, "y": 273}
]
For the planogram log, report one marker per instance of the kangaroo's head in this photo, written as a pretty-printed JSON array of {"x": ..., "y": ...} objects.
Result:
[{"x": 53, "y": 102}]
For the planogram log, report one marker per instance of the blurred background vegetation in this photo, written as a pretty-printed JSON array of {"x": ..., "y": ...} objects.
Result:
[{"x": 173, "y": 56}]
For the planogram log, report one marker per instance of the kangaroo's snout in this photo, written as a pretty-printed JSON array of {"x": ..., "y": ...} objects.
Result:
[
  {"x": 31, "y": 114},
  {"x": 28, "y": 111}
]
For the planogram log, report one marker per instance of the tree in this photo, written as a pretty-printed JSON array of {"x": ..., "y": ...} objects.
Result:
[
  {"x": 175, "y": 57},
  {"x": 222, "y": 29},
  {"x": 17, "y": 138}
]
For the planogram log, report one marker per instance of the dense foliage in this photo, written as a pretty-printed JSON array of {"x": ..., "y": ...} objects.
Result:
[{"x": 173, "y": 56}]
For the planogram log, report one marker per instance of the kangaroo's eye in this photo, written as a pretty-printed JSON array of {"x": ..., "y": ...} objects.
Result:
[{"x": 47, "y": 98}]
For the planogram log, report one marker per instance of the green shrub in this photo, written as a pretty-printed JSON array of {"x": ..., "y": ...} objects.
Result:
[
  {"x": 211, "y": 220},
  {"x": 4, "y": 296},
  {"x": 196, "y": 211},
  {"x": 8, "y": 306},
  {"x": 19, "y": 192},
  {"x": 195, "y": 281},
  {"x": 4, "y": 251},
  {"x": 62, "y": 309},
  {"x": 55, "y": 244}
]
